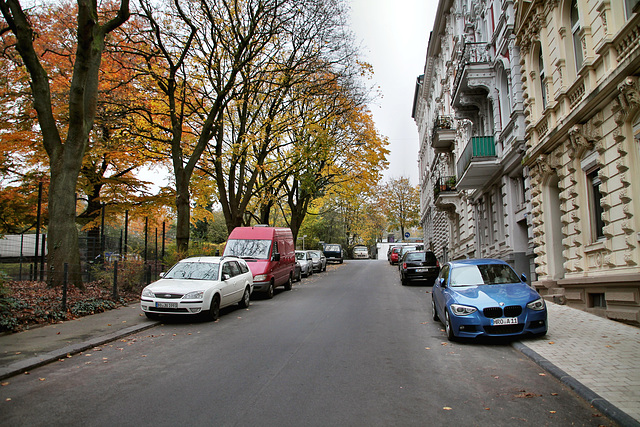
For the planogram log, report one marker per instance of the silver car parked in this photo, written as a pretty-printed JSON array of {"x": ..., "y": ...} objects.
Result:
[{"x": 306, "y": 263}]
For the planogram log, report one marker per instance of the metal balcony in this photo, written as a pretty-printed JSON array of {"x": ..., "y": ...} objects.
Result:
[
  {"x": 478, "y": 163},
  {"x": 475, "y": 75},
  {"x": 445, "y": 192},
  {"x": 443, "y": 136}
]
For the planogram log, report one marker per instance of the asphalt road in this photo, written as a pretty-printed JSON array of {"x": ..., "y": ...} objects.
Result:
[{"x": 348, "y": 347}]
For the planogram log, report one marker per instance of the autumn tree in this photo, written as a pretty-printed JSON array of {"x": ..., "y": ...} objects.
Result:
[
  {"x": 402, "y": 204},
  {"x": 64, "y": 147}
]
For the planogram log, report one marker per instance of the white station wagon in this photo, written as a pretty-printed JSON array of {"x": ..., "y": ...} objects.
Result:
[{"x": 199, "y": 286}]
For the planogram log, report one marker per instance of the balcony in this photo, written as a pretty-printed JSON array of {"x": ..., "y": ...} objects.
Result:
[
  {"x": 445, "y": 193},
  {"x": 443, "y": 136},
  {"x": 478, "y": 163},
  {"x": 475, "y": 75}
]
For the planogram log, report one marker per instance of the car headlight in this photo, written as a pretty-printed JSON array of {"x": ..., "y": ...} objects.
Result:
[
  {"x": 260, "y": 277},
  {"x": 147, "y": 293},
  {"x": 536, "y": 305},
  {"x": 194, "y": 295},
  {"x": 462, "y": 310}
]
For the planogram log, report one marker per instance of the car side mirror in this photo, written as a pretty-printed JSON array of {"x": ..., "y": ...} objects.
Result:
[
  {"x": 226, "y": 276},
  {"x": 441, "y": 282},
  {"x": 275, "y": 257},
  {"x": 523, "y": 277},
  {"x": 162, "y": 274}
]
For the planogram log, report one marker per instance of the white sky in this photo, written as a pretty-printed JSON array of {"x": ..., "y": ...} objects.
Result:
[{"x": 395, "y": 35}]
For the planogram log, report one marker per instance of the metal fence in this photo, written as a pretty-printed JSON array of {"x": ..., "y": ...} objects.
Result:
[{"x": 105, "y": 254}]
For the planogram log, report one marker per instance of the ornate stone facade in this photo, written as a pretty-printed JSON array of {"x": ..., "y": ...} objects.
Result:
[
  {"x": 580, "y": 75},
  {"x": 469, "y": 110}
]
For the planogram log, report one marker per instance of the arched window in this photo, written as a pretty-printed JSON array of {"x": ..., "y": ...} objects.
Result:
[
  {"x": 575, "y": 31},
  {"x": 541, "y": 73}
]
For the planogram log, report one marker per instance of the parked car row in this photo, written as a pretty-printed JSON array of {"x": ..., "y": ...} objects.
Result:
[
  {"x": 255, "y": 259},
  {"x": 476, "y": 297},
  {"x": 308, "y": 262}
]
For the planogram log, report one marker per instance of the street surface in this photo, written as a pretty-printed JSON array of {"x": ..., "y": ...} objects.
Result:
[{"x": 350, "y": 347}]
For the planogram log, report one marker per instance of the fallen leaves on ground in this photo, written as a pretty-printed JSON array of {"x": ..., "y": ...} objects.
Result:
[{"x": 29, "y": 303}]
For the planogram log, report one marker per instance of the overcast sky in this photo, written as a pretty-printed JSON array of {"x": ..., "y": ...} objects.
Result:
[{"x": 395, "y": 35}]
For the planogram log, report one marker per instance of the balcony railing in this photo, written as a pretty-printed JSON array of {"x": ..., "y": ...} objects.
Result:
[
  {"x": 479, "y": 148},
  {"x": 472, "y": 53},
  {"x": 444, "y": 183},
  {"x": 443, "y": 135}
]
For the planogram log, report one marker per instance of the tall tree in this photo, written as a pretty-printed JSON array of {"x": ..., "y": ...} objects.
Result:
[
  {"x": 402, "y": 204},
  {"x": 65, "y": 152}
]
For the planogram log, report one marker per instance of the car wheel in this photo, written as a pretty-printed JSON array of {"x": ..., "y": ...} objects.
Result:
[
  {"x": 246, "y": 298},
  {"x": 324, "y": 268},
  {"x": 289, "y": 285},
  {"x": 299, "y": 277},
  {"x": 214, "y": 310},
  {"x": 270, "y": 291},
  {"x": 434, "y": 313},
  {"x": 447, "y": 326},
  {"x": 403, "y": 280},
  {"x": 152, "y": 316}
]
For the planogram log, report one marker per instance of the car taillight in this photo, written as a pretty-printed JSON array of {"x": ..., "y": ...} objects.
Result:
[
  {"x": 437, "y": 263},
  {"x": 404, "y": 265}
]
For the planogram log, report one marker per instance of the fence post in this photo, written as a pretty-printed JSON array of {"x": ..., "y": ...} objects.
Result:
[
  {"x": 146, "y": 237},
  {"x": 44, "y": 238},
  {"x": 64, "y": 287},
  {"x": 35, "y": 260},
  {"x": 115, "y": 280},
  {"x": 126, "y": 232}
]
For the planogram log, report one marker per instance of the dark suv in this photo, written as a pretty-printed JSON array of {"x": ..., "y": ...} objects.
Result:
[{"x": 419, "y": 265}]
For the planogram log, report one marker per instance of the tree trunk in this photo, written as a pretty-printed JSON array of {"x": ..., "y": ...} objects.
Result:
[
  {"x": 62, "y": 241},
  {"x": 183, "y": 214}
]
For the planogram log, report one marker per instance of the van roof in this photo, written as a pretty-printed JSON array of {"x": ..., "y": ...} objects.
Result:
[{"x": 260, "y": 232}]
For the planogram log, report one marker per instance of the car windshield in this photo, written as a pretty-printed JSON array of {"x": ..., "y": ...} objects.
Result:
[
  {"x": 251, "y": 249},
  {"x": 483, "y": 274},
  {"x": 415, "y": 256},
  {"x": 194, "y": 271},
  {"x": 332, "y": 248},
  {"x": 301, "y": 255},
  {"x": 314, "y": 255}
]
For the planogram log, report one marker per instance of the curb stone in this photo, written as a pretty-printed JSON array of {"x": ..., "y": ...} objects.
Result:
[{"x": 603, "y": 405}]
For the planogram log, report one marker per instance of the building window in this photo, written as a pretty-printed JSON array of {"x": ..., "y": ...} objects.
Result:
[
  {"x": 575, "y": 31},
  {"x": 597, "y": 301},
  {"x": 543, "y": 86},
  {"x": 595, "y": 207},
  {"x": 631, "y": 7}
]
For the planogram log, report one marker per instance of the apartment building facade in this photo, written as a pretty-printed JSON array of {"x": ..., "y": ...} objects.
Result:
[
  {"x": 469, "y": 110},
  {"x": 581, "y": 87}
]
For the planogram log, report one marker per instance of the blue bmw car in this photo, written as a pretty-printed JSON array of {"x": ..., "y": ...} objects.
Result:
[{"x": 485, "y": 297}]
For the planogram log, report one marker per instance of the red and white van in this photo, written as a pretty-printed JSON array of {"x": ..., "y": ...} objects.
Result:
[{"x": 269, "y": 253}]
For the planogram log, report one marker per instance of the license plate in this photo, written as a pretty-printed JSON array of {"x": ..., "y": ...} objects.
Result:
[
  {"x": 421, "y": 270},
  {"x": 167, "y": 305},
  {"x": 504, "y": 321}
]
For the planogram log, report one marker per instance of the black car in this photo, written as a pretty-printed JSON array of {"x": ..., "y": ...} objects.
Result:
[
  {"x": 419, "y": 265},
  {"x": 333, "y": 252}
]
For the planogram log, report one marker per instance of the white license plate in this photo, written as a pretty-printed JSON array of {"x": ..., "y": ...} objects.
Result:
[
  {"x": 167, "y": 305},
  {"x": 504, "y": 321}
]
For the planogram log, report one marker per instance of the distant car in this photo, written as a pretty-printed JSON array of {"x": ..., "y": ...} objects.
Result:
[
  {"x": 419, "y": 266},
  {"x": 404, "y": 249},
  {"x": 306, "y": 263},
  {"x": 394, "y": 256},
  {"x": 333, "y": 252},
  {"x": 199, "y": 286},
  {"x": 319, "y": 260},
  {"x": 485, "y": 297},
  {"x": 360, "y": 252}
]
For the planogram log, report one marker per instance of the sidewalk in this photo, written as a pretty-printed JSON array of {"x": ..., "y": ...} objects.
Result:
[{"x": 598, "y": 358}]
